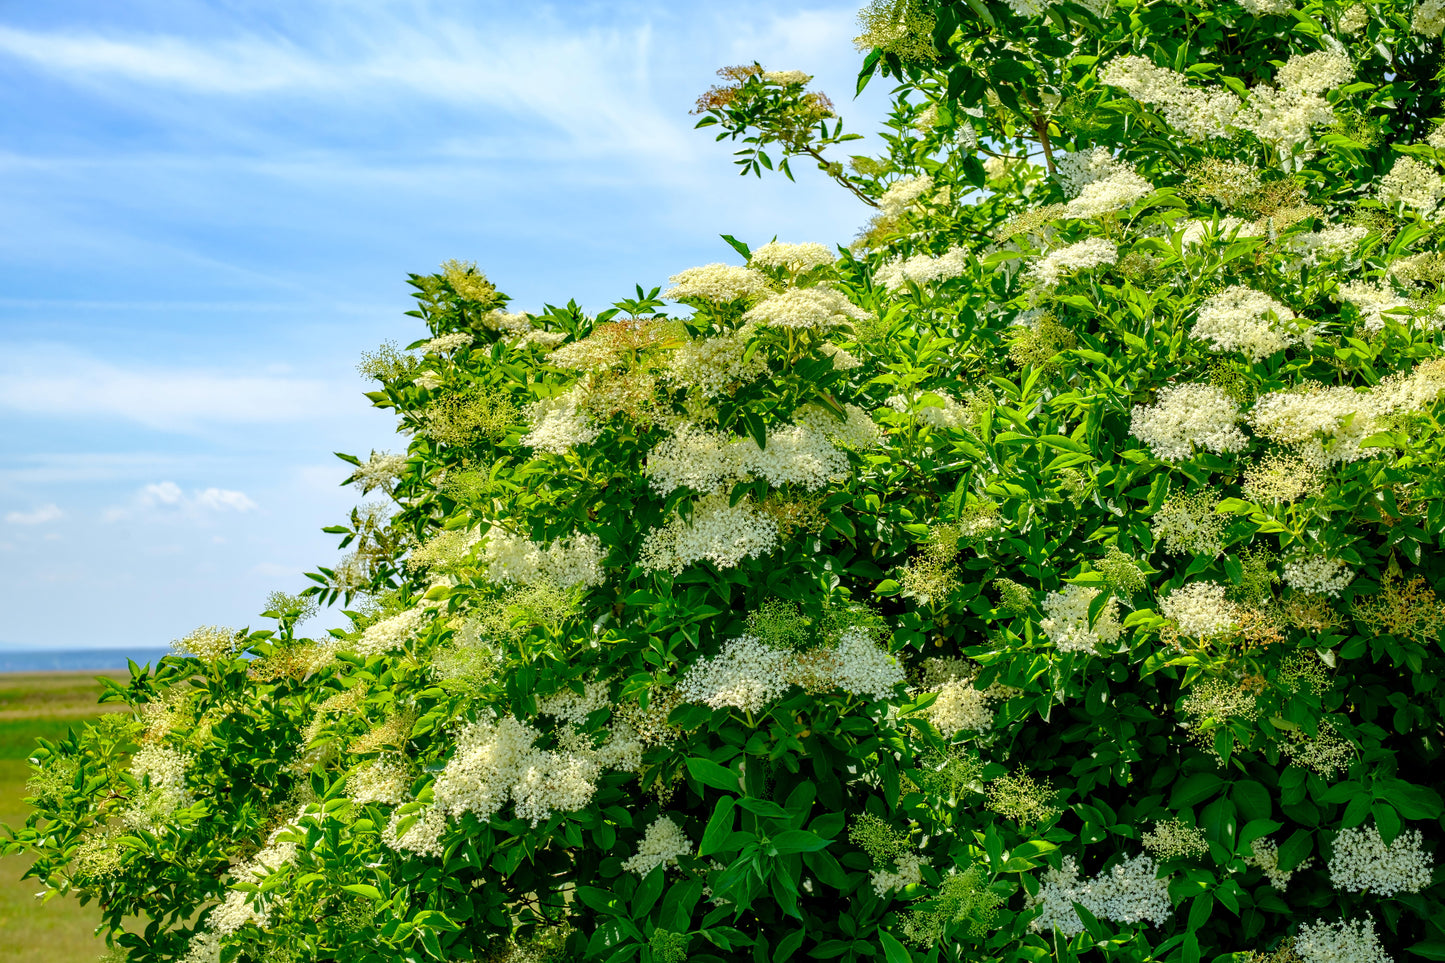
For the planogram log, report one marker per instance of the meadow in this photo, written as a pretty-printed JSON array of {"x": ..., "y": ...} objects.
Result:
[{"x": 40, "y": 705}]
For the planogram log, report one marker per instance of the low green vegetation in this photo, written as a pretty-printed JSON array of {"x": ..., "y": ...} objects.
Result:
[{"x": 32, "y": 706}]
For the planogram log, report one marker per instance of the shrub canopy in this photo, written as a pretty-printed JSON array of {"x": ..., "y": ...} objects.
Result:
[{"x": 1052, "y": 572}]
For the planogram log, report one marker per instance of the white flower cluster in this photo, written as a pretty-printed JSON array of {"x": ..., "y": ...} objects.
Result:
[
  {"x": 862, "y": 667},
  {"x": 747, "y": 674},
  {"x": 719, "y": 283},
  {"x": 391, "y": 633},
  {"x": 1414, "y": 184},
  {"x": 1372, "y": 300},
  {"x": 718, "y": 532},
  {"x": 842, "y": 360},
  {"x": 1196, "y": 232},
  {"x": 165, "y": 768},
  {"x": 1284, "y": 115},
  {"x": 574, "y": 708},
  {"x": 447, "y": 343},
  {"x": 786, "y": 77},
  {"x": 662, "y": 843},
  {"x": 1259, "y": 8},
  {"x": 380, "y": 470},
  {"x": 795, "y": 258},
  {"x": 1281, "y": 116},
  {"x": 908, "y": 871},
  {"x": 1264, "y": 855},
  {"x": 1428, "y": 18},
  {"x": 903, "y": 194},
  {"x": 857, "y": 431},
  {"x": 239, "y": 907},
  {"x": 1116, "y": 192},
  {"x": 961, "y": 707},
  {"x": 496, "y": 761},
  {"x": 1066, "y": 620},
  {"x": 575, "y": 561},
  {"x": 559, "y": 423},
  {"x": 1129, "y": 892},
  {"x": 935, "y": 408},
  {"x": 808, "y": 309},
  {"x": 923, "y": 269},
  {"x": 705, "y": 461},
  {"x": 713, "y": 365},
  {"x": 1363, "y": 863},
  {"x": 1186, "y": 417},
  {"x": 1336, "y": 241},
  {"x": 1200, "y": 610},
  {"x": 386, "y": 780},
  {"x": 1078, "y": 169},
  {"x": 1251, "y": 322},
  {"x": 1340, "y": 942},
  {"x": 423, "y": 837},
  {"x": 1200, "y": 113},
  {"x": 513, "y": 323},
  {"x": 1088, "y": 253},
  {"x": 1325, "y": 425},
  {"x": 1317, "y": 574}
]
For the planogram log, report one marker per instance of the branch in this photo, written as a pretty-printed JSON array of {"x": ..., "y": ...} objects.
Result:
[{"x": 823, "y": 165}]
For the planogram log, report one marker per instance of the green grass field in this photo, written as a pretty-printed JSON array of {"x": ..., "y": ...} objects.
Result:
[{"x": 31, "y": 705}]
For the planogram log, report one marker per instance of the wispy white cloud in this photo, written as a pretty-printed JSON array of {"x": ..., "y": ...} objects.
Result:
[
  {"x": 54, "y": 381},
  {"x": 36, "y": 516},
  {"x": 168, "y": 498}
]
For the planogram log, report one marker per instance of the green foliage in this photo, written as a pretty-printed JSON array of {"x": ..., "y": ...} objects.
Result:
[{"x": 1056, "y": 572}]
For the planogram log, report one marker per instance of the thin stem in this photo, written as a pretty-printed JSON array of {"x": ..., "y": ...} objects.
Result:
[{"x": 823, "y": 164}]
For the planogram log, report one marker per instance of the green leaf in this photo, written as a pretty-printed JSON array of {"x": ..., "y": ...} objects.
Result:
[
  {"x": 1295, "y": 849},
  {"x": 711, "y": 774},
  {"x": 364, "y": 889},
  {"x": 894, "y": 951},
  {"x": 798, "y": 841},
  {"x": 1195, "y": 789},
  {"x": 738, "y": 246},
  {"x": 719, "y": 826}
]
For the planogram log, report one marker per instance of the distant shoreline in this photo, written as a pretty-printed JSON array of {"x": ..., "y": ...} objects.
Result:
[{"x": 76, "y": 660}]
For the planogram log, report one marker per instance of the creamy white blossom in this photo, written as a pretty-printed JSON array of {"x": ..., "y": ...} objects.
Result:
[
  {"x": 559, "y": 424},
  {"x": 907, "y": 871},
  {"x": 1251, "y": 322},
  {"x": 924, "y": 269},
  {"x": 391, "y": 633},
  {"x": 811, "y": 309},
  {"x": 713, "y": 365},
  {"x": 1318, "y": 574},
  {"x": 1092, "y": 252},
  {"x": 1199, "y": 113},
  {"x": 1066, "y": 620},
  {"x": 1264, "y": 854},
  {"x": 746, "y": 674},
  {"x": 1200, "y": 610},
  {"x": 1428, "y": 18},
  {"x": 795, "y": 258},
  {"x": 1116, "y": 192},
  {"x": 1344, "y": 941},
  {"x": 862, "y": 667},
  {"x": 716, "y": 532},
  {"x": 903, "y": 194},
  {"x": 1128, "y": 892},
  {"x": 573, "y": 561},
  {"x": 1414, "y": 184},
  {"x": 662, "y": 843},
  {"x": 1188, "y": 417},
  {"x": 1363, "y": 863},
  {"x": 719, "y": 283}
]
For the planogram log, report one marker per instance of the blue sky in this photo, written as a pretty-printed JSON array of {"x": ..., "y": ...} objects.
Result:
[{"x": 210, "y": 208}]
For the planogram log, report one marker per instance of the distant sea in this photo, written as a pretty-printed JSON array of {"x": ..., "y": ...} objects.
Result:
[{"x": 74, "y": 660}]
